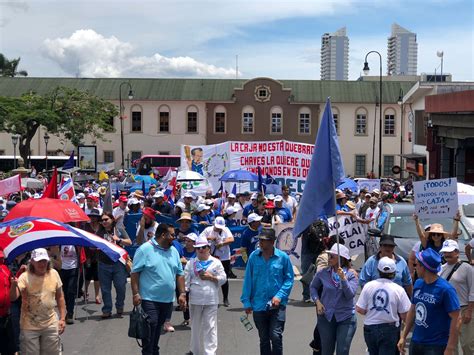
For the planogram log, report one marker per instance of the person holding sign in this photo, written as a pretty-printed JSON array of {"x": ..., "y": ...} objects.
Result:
[{"x": 436, "y": 235}]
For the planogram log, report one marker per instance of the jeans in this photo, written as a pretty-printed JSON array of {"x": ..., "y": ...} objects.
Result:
[
  {"x": 336, "y": 335},
  {"x": 117, "y": 274},
  {"x": 381, "y": 339},
  {"x": 225, "y": 287},
  {"x": 306, "y": 261},
  {"x": 426, "y": 349},
  {"x": 270, "y": 325},
  {"x": 157, "y": 311},
  {"x": 69, "y": 280}
]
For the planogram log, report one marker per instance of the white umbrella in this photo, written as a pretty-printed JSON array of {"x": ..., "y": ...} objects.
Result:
[
  {"x": 32, "y": 183},
  {"x": 188, "y": 175},
  {"x": 465, "y": 194}
]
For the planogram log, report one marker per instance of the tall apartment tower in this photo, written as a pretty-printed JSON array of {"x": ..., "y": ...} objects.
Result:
[
  {"x": 335, "y": 55},
  {"x": 402, "y": 52}
]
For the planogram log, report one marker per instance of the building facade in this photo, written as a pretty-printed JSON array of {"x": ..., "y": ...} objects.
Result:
[
  {"x": 402, "y": 52},
  {"x": 335, "y": 55}
]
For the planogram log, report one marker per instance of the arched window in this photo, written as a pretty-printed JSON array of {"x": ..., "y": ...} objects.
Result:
[
  {"x": 304, "y": 121},
  {"x": 276, "y": 120},
  {"x": 389, "y": 122},
  {"x": 220, "y": 115},
  {"x": 192, "y": 115},
  {"x": 337, "y": 118},
  {"x": 248, "y": 120},
  {"x": 136, "y": 121},
  {"x": 164, "y": 119},
  {"x": 361, "y": 121}
]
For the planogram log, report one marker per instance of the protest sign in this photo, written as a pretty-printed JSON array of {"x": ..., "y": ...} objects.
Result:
[
  {"x": 287, "y": 243},
  {"x": 350, "y": 230},
  {"x": 10, "y": 185},
  {"x": 369, "y": 184},
  {"x": 436, "y": 198}
]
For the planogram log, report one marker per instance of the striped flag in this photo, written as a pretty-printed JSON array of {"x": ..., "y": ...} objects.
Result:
[
  {"x": 170, "y": 191},
  {"x": 66, "y": 191}
]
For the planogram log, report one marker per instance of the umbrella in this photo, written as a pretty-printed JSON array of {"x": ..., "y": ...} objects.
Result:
[
  {"x": 147, "y": 178},
  {"x": 348, "y": 183},
  {"x": 21, "y": 235},
  {"x": 31, "y": 183},
  {"x": 60, "y": 210},
  {"x": 188, "y": 175},
  {"x": 465, "y": 194},
  {"x": 239, "y": 175}
]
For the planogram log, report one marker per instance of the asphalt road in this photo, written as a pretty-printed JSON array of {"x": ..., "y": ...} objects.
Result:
[{"x": 97, "y": 336}]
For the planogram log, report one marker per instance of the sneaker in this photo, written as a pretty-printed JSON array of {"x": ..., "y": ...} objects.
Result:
[
  {"x": 69, "y": 319},
  {"x": 106, "y": 315},
  {"x": 232, "y": 275},
  {"x": 226, "y": 303},
  {"x": 308, "y": 300},
  {"x": 185, "y": 322},
  {"x": 168, "y": 327}
]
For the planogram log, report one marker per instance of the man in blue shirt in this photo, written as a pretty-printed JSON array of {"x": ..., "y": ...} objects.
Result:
[
  {"x": 251, "y": 207},
  {"x": 249, "y": 238},
  {"x": 156, "y": 271},
  {"x": 267, "y": 285},
  {"x": 283, "y": 212},
  {"x": 434, "y": 310}
]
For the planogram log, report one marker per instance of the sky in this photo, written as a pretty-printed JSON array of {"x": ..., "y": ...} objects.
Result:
[{"x": 201, "y": 38}]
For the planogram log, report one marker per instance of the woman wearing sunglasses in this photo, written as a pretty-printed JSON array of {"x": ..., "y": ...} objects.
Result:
[
  {"x": 110, "y": 271},
  {"x": 203, "y": 276}
]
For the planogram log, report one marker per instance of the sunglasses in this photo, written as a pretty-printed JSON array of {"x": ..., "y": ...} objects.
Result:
[
  {"x": 200, "y": 248},
  {"x": 105, "y": 219}
]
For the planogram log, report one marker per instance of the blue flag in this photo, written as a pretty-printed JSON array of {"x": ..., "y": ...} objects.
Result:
[
  {"x": 260, "y": 183},
  {"x": 234, "y": 189},
  {"x": 70, "y": 163},
  {"x": 326, "y": 172},
  {"x": 272, "y": 186}
]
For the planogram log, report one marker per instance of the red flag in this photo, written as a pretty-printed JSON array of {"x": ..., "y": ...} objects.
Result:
[
  {"x": 10, "y": 185},
  {"x": 52, "y": 189}
]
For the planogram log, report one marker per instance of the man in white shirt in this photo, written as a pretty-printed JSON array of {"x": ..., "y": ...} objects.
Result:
[
  {"x": 383, "y": 302},
  {"x": 120, "y": 211},
  {"x": 92, "y": 202},
  {"x": 289, "y": 201}
]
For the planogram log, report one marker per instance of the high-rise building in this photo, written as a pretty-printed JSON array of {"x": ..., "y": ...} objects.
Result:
[
  {"x": 335, "y": 55},
  {"x": 402, "y": 52}
]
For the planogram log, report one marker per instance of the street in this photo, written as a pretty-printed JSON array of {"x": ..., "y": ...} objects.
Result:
[{"x": 96, "y": 336}]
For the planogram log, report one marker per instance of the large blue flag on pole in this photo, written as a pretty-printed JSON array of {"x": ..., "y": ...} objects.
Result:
[{"x": 326, "y": 172}]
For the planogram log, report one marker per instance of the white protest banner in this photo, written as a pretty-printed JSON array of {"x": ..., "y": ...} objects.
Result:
[
  {"x": 369, "y": 184},
  {"x": 10, "y": 185},
  {"x": 350, "y": 230},
  {"x": 436, "y": 198},
  {"x": 287, "y": 162}
]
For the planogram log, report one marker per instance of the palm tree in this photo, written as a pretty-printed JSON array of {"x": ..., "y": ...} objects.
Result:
[{"x": 9, "y": 68}]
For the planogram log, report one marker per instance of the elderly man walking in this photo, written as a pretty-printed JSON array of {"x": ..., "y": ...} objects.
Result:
[
  {"x": 156, "y": 271},
  {"x": 267, "y": 285}
]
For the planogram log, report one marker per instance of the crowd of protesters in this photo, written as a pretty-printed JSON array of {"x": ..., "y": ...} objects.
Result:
[{"x": 431, "y": 294}]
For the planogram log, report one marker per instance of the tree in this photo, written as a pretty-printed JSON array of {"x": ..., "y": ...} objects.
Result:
[
  {"x": 63, "y": 111},
  {"x": 10, "y": 67}
]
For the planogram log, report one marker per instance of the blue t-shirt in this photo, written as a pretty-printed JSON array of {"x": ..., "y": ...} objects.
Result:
[
  {"x": 284, "y": 213},
  {"x": 158, "y": 269},
  {"x": 207, "y": 218},
  {"x": 432, "y": 303},
  {"x": 249, "y": 239},
  {"x": 248, "y": 210},
  {"x": 177, "y": 245},
  {"x": 189, "y": 255}
]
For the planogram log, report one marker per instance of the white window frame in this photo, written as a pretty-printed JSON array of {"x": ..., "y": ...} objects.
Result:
[
  {"x": 390, "y": 112},
  {"x": 304, "y": 111},
  {"x": 248, "y": 113},
  {"x": 276, "y": 119},
  {"x": 220, "y": 109},
  {"x": 361, "y": 111},
  {"x": 189, "y": 110}
]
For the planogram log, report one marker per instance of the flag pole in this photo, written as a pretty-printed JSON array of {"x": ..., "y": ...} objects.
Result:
[{"x": 337, "y": 230}]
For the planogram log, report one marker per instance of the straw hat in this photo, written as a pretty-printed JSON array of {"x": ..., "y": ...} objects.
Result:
[
  {"x": 351, "y": 205},
  {"x": 185, "y": 216},
  {"x": 138, "y": 194},
  {"x": 437, "y": 228}
]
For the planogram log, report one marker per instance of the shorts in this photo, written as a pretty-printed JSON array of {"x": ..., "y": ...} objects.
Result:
[{"x": 91, "y": 272}]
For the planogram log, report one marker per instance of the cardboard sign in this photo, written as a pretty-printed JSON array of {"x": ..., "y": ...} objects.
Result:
[
  {"x": 369, "y": 184},
  {"x": 436, "y": 198},
  {"x": 351, "y": 231}
]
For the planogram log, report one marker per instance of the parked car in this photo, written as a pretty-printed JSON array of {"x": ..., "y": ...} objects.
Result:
[
  {"x": 467, "y": 216},
  {"x": 401, "y": 225}
]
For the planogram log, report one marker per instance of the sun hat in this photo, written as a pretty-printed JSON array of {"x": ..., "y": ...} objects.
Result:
[
  {"x": 387, "y": 265},
  {"x": 185, "y": 216},
  {"x": 230, "y": 210},
  {"x": 376, "y": 191},
  {"x": 267, "y": 234},
  {"x": 102, "y": 190},
  {"x": 340, "y": 195},
  {"x": 138, "y": 194},
  {"x": 203, "y": 207},
  {"x": 351, "y": 205},
  {"x": 39, "y": 254},
  {"x": 270, "y": 204},
  {"x": 437, "y": 228},
  {"x": 386, "y": 239},
  {"x": 219, "y": 222},
  {"x": 191, "y": 236},
  {"x": 343, "y": 251},
  {"x": 430, "y": 260},
  {"x": 449, "y": 246},
  {"x": 158, "y": 194},
  {"x": 253, "y": 217},
  {"x": 201, "y": 241},
  {"x": 149, "y": 212}
]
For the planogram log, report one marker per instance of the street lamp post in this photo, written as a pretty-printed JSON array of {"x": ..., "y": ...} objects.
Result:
[
  {"x": 400, "y": 103},
  {"x": 46, "y": 141},
  {"x": 121, "y": 108},
  {"x": 15, "y": 142},
  {"x": 366, "y": 71}
]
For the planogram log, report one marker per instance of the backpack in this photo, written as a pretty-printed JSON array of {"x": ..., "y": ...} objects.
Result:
[{"x": 314, "y": 235}]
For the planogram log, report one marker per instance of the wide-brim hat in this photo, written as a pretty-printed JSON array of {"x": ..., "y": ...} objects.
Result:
[
  {"x": 340, "y": 195},
  {"x": 102, "y": 190},
  {"x": 201, "y": 241},
  {"x": 430, "y": 260},
  {"x": 437, "y": 228},
  {"x": 343, "y": 251},
  {"x": 387, "y": 240},
  {"x": 185, "y": 216},
  {"x": 351, "y": 205},
  {"x": 138, "y": 194}
]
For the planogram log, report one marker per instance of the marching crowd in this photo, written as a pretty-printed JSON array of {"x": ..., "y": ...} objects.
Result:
[{"x": 189, "y": 259}]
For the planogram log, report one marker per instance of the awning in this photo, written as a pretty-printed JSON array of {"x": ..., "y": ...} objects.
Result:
[{"x": 414, "y": 156}]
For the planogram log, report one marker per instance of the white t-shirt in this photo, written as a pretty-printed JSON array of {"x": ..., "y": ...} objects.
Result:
[
  {"x": 149, "y": 232},
  {"x": 68, "y": 257},
  {"x": 383, "y": 299},
  {"x": 222, "y": 253},
  {"x": 290, "y": 204},
  {"x": 372, "y": 213},
  {"x": 119, "y": 215}
]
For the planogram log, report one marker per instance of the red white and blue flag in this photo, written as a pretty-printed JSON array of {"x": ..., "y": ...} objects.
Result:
[
  {"x": 170, "y": 191},
  {"x": 66, "y": 191},
  {"x": 24, "y": 234}
]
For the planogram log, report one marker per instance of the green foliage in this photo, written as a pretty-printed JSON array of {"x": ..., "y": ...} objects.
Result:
[
  {"x": 64, "y": 111},
  {"x": 10, "y": 67}
]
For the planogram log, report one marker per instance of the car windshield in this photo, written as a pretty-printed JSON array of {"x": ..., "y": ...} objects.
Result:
[
  {"x": 468, "y": 210},
  {"x": 404, "y": 226}
]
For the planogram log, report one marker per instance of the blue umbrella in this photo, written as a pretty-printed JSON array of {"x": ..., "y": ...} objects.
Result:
[
  {"x": 239, "y": 176},
  {"x": 348, "y": 183}
]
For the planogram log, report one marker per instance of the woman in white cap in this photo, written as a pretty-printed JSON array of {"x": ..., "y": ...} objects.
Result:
[
  {"x": 202, "y": 215},
  {"x": 41, "y": 290},
  {"x": 203, "y": 275},
  {"x": 337, "y": 322}
]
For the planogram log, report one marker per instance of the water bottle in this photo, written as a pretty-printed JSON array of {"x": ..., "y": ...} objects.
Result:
[{"x": 246, "y": 323}]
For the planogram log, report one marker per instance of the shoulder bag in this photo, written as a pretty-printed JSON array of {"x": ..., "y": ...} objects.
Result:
[{"x": 139, "y": 327}]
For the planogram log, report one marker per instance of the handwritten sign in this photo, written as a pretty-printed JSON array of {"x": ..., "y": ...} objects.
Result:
[
  {"x": 369, "y": 184},
  {"x": 350, "y": 230},
  {"x": 436, "y": 198}
]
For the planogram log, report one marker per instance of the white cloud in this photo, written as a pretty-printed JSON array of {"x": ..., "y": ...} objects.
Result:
[{"x": 87, "y": 53}]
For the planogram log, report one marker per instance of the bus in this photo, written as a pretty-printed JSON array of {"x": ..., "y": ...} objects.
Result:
[
  {"x": 158, "y": 164},
  {"x": 38, "y": 161}
]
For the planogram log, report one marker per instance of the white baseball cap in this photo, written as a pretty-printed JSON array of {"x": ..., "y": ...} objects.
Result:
[
  {"x": 253, "y": 217},
  {"x": 191, "y": 236},
  {"x": 201, "y": 241},
  {"x": 80, "y": 196},
  {"x": 231, "y": 195},
  {"x": 219, "y": 222},
  {"x": 449, "y": 246},
  {"x": 202, "y": 207},
  {"x": 270, "y": 197},
  {"x": 158, "y": 194},
  {"x": 181, "y": 205},
  {"x": 278, "y": 198},
  {"x": 230, "y": 210},
  {"x": 133, "y": 201},
  {"x": 254, "y": 196},
  {"x": 188, "y": 194},
  {"x": 387, "y": 265},
  {"x": 343, "y": 251},
  {"x": 39, "y": 254}
]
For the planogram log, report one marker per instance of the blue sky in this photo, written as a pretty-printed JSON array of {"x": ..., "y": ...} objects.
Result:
[{"x": 193, "y": 38}]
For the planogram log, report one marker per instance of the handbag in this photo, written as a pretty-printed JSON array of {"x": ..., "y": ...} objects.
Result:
[
  {"x": 139, "y": 327},
  {"x": 308, "y": 275}
]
